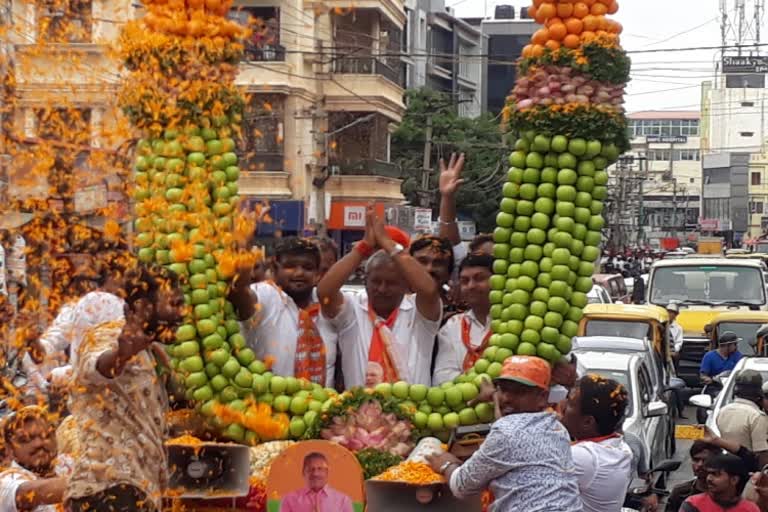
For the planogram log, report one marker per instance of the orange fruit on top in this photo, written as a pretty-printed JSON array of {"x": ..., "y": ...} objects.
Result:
[
  {"x": 591, "y": 23},
  {"x": 613, "y": 8},
  {"x": 532, "y": 12},
  {"x": 541, "y": 36},
  {"x": 537, "y": 3},
  {"x": 537, "y": 51},
  {"x": 588, "y": 35},
  {"x": 574, "y": 26},
  {"x": 558, "y": 31},
  {"x": 564, "y": 10},
  {"x": 552, "y": 45},
  {"x": 589, "y": 3},
  {"x": 571, "y": 41},
  {"x": 547, "y": 11},
  {"x": 599, "y": 9},
  {"x": 580, "y": 9}
]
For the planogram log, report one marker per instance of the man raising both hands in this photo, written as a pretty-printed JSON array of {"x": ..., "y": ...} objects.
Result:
[{"x": 386, "y": 334}]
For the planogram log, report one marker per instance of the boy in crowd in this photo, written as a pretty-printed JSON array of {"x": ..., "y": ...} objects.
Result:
[
  {"x": 384, "y": 325},
  {"x": 282, "y": 318},
  {"x": 464, "y": 337},
  {"x": 727, "y": 475},
  {"x": 700, "y": 452}
]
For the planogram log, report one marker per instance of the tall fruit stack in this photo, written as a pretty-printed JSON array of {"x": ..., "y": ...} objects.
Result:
[
  {"x": 567, "y": 110},
  {"x": 180, "y": 95}
]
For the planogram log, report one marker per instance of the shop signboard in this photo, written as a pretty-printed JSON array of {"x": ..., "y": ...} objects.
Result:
[
  {"x": 354, "y": 216},
  {"x": 422, "y": 219}
]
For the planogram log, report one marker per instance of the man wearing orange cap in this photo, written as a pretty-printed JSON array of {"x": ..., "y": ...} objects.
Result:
[
  {"x": 526, "y": 458},
  {"x": 385, "y": 333}
]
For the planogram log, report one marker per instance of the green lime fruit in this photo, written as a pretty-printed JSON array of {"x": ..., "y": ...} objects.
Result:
[
  {"x": 435, "y": 397},
  {"x": 281, "y": 403},
  {"x": 192, "y": 364},
  {"x": 567, "y": 161},
  {"x": 453, "y": 396},
  {"x": 515, "y": 175},
  {"x": 481, "y": 365},
  {"x": 548, "y": 175},
  {"x": 528, "y": 191},
  {"x": 525, "y": 208},
  {"x": 185, "y": 333},
  {"x": 518, "y": 159},
  {"x": 195, "y": 380},
  {"x": 529, "y": 336},
  {"x": 187, "y": 349},
  {"x": 505, "y": 220},
  {"x": 508, "y": 205},
  {"x": 586, "y": 169},
  {"x": 522, "y": 224},
  {"x": 564, "y": 344},
  {"x": 541, "y": 143},
  {"x": 277, "y": 385},
  {"x": 577, "y": 147},
  {"x": 547, "y": 190},
  {"x": 534, "y": 159},
  {"x": 435, "y": 422},
  {"x": 485, "y": 413},
  {"x": 567, "y": 177},
  {"x": 451, "y": 420},
  {"x": 420, "y": 420},
  {"x": 526, "y": 349},
  {"x": 468, "y": 416},
  {"x": 418, "y": 392},
  {"x": 559, "y": 143},
  {"x": 494, "y": 369},
  {"x": 299, "y": 405},
  {"x": 566, "y": 193}
]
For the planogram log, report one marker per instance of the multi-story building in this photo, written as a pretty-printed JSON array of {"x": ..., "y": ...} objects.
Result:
[
  {"x": 325, "y": 88},
  {"x": 665, "y": 154},
  {"x": 444, "y": 53},
  {"x": 504, "y": 37},
  {"x": 734, "y": 122}
]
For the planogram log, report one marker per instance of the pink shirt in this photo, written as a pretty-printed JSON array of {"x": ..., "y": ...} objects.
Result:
[{"x": 326, "y": 499}]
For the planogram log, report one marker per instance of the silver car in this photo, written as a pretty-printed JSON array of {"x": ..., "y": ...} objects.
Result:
[
  {"x": 647, "y": 424},
  {"x": 725, "y": 396}
]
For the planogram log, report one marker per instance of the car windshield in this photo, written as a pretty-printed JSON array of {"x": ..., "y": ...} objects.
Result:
[
  {"x": 622, "y": 329},
  {"x": 623, "y": 379},
  {"x": 762, "y": 247},
  {"x": 745, "y": 331},
  {"x": 708, "y": 285},
  {"x": 728, "y": 391}
]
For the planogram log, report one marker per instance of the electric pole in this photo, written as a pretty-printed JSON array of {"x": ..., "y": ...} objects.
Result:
[{"x": 426, "y": 168}]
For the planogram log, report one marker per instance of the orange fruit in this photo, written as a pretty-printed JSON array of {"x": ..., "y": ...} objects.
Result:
[
  {"x": 574, "y": 26},
  {"x": 613, "y": 8},
  {"x": 619, "y": 27},
  {"x": 552, "y": 45},
  {"x": 588, "y": 35},
  {"x": 571, "y": 41},
  {"x": 527, "y": 51},
  {"x": 537, "y": 3},
  {"x": 547, "y": 11},
  {"x": 580, "y": 9},
  {"x": 541, "y": 36},
  {"x": 564, "y": 10},
  {"x": 591, "y": 23},
  {"x": 599, "y": 9},
  {"x": 537, "y": 51},
  {"x": 532, "y": 12},
  {"x": 558, "y": 31}
]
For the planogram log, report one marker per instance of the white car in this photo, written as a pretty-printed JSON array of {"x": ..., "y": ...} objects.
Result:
[
  {"x": 647, "y": 424},
  {"x": 599, "y": 295},
  {"x": 725, "y": 396}
]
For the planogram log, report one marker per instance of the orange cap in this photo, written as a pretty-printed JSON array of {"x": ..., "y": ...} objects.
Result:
[
  {"x": 398, "y": 236},
  {"x": 528, "y": 370}
]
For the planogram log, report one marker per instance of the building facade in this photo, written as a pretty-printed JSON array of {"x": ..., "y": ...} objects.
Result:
[
  {"x": 505, "y": 34},
  {"x": 664, "y": 165},
  {"x": 444, "y": 53}
]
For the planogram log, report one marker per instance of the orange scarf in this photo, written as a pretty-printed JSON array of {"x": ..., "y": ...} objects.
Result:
[
  {"x": 381, "y": 344},
  {"x": 473, "y": 354},
  {"x": 309, "y": 361}
]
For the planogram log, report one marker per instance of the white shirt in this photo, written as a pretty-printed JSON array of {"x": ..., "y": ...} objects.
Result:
[
  {"x": 451, "y": 350},
  {"x": 94, "y": 308},
  {"x": 603, "y": 471},
  {"x": 676, "y": 336},
  {"x": 413, "y": 337},
  {"x": 274, "y": 331},
  {"x": 15, "y": 476}
]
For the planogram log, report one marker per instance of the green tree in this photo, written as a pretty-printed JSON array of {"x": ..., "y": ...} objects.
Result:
[{"x": 480, "y": 139}]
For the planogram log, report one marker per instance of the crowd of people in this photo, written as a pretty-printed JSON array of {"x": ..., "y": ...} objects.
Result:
[{"x": 88, "y": 425}]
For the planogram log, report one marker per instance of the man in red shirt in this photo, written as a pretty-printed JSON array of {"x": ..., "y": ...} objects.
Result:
[{"x": 727, "y": 475}]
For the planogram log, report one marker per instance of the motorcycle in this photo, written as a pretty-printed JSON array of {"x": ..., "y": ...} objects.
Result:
[
  {"x": 637, "y": 495},
  {"x": 712, "y": 389}
]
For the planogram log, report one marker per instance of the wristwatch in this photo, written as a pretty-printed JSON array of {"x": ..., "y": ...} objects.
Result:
[
  {"x": 446, "y": 466},
  {"x": 397, "y": 249}
]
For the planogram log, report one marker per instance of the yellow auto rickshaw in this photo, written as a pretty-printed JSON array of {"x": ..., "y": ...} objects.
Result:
[
  {"x": 628, "y": 321},
  {"x": 745, "y": 324}
]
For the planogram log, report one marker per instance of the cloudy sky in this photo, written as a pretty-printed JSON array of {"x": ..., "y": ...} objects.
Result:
[{"x": 665, "y": 80}]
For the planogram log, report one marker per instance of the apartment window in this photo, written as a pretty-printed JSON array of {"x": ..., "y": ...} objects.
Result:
[
  {"x": 261, "y": 147},
  {"x": 665, "y": 127},
  {"x": 66, "y": 125},
  {"x": 755, "y": 178},
  {"x": 65, "y": 21},
  {"x": 264, "y": 43},
  {"x": 756, "y": 207},
  {"x": 747, "y": 103},
  {"x": 747, "y": 134},
  {"x": 688, "y": 154}
]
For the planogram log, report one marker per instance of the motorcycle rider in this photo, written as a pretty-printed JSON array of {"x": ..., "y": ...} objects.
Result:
[{"x": 722, "y": 359}]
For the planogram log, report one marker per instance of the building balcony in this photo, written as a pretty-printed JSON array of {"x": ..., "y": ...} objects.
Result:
[
  {"x": 393, "y": 10},
  {"x": 367, "y": 167},
  {"x": 365, "y": 188},
  {"x": 264, "y": 53},
  {"x": 265, "y": 184},
  {"x": 365, "y": 85}
]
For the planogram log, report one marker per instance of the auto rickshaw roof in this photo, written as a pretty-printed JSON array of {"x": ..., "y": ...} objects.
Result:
[
  {"x": 627, "y": 312},
  {"x": 746, "y": 317},
  {"x": 703, "y": 262}
]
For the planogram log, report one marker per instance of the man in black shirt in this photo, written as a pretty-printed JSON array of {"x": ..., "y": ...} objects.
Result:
[{"x": 700, "y": 454}]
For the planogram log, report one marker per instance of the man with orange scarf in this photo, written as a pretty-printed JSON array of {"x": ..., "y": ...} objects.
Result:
[
  {"x": 465, "y": 336},
  {"x": 386, "y": 334},
  {"x": 282, "y": 319}
]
